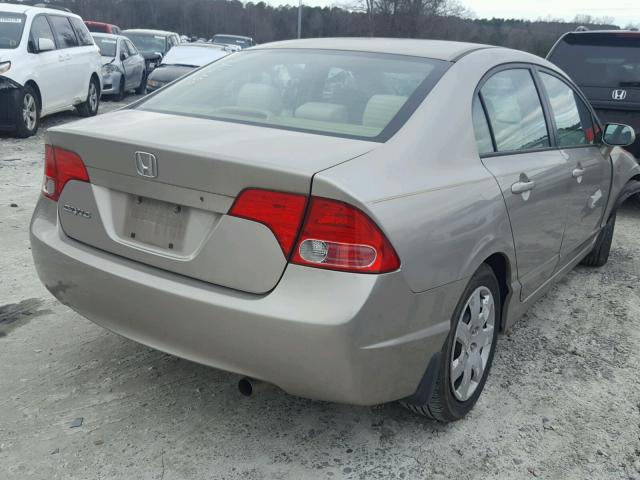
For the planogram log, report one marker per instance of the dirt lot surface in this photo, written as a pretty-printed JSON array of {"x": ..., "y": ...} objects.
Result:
[{"x": 562, "y": 402}]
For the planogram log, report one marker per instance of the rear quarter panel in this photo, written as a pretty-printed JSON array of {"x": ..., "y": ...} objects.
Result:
[{"x": 427, "y": 188}]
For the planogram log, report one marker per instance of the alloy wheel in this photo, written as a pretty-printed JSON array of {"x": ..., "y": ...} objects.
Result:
[
  {"x": 93, "y": 96},
  {"x": 29, "y": 111},
  {"x": 472, "y": 343}
]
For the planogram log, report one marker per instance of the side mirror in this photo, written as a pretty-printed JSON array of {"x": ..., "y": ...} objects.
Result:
[
  {"x": 618, "y": 135},
  {"x": 46, "y": 45},
  {"x": 123, "y": 57}
]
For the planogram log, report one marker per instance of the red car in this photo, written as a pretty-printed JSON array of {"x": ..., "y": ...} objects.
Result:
[{"x": 100, "y": 27}]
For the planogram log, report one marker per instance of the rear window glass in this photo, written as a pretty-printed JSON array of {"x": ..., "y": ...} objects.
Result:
[
  {"x": 148, "y": 42},
  {"x": 342, "y": 93},
  {"x": 107, "y": 46},
  {"x": 11, "y": 27},
  {"x": 600, "y": 60}
]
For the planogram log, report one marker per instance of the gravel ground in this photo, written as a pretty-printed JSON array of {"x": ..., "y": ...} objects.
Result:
[{"x": 563, "y": 400}]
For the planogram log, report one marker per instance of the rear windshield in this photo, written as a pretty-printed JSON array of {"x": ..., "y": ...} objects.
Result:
[
  {"x": 11, "y": 27},
  {"x": 148, "y": 42},
  {"x": 600, "y": 60},
  {"x": 229, "y": 40},
  {"x": 352, "y": 94},
  {"x": 107, "y": 46}
]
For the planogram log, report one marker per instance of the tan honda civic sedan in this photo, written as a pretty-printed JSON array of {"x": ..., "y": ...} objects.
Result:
[{"x": 352, "y": 220}]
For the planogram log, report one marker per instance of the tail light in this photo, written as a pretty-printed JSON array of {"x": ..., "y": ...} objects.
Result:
[
  {"x": 60, "y": 166},
  {"x": 281, "y": 212},
  {"x": 338, "y": 236},
  {"x": 335, "y": 235}
]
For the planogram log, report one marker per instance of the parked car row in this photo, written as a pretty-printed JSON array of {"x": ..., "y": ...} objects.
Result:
[
  {"x": 52, "y": 61},
  {"x": 48, "y": 63},
  {"x": 181, "y": 60}
]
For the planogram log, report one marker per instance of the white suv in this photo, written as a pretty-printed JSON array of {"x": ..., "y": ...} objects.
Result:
[{"x": 48, "y": 64}]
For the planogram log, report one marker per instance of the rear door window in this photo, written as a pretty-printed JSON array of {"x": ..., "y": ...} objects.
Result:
[
  {"x": 81, "y": 31},
  {"x": 515, "y": 111},
  {"x": 573, "y": 120},
  {"x": 40, "y": 28},
  {"x": 481, "y": 128},
  {"x": 65, "y": 36}
]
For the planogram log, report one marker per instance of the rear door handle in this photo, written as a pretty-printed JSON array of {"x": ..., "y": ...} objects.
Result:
[
  {"x": 578, "y": 172},
  {"x": 522, "y": 187}
]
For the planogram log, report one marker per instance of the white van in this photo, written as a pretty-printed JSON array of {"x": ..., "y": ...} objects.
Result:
[{"x": 48, "y": 64}]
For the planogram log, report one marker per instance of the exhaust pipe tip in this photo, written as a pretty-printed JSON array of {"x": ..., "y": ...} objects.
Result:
[{"x": 246, "y": 386}]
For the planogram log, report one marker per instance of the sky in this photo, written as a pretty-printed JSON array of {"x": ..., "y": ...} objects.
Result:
[{"x": 623, "y": 12}]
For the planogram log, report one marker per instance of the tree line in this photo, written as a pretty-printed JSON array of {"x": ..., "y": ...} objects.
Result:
[{"x": 435, "y": 19}]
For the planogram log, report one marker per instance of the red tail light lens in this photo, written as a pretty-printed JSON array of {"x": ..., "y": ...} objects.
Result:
[
  {"x": 281, "y": 212},
  {"x": 60, "y": 166},
  {"x": 338, "y": 236}
]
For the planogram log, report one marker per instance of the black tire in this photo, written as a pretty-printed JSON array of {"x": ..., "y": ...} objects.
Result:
[
  {"x": 119, "y": 95},
  {"x": 443, "y": 405},
  {"x": 142, "y": 88},
  {"x": 23, "y": 129},
  {"x": 90, "y": 107},
  {"x": 635, "y": 199},
  {"x": 599, "y": 255}
]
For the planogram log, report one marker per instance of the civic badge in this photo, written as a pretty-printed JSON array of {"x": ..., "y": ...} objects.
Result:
[{"x": 146, "y": 164}]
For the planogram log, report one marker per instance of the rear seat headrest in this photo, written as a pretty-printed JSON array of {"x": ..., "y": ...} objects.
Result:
[
  {"x": 381, "y": 109},
  {"x": 326, "y": 112},
  {"x": 260, "y": 96}
]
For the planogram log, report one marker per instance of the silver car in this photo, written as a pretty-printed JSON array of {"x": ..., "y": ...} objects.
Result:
[
  {"x": 123, "y": 67},
  {"x": 352, "y": 220}
]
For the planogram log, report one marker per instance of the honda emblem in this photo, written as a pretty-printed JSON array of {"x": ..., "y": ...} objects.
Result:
[
  {"x": 146, "y": 164},
  {"x": 619, "y": 94}
]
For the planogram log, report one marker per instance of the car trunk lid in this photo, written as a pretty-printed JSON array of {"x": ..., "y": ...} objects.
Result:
[{"x": 161, "y": 187}]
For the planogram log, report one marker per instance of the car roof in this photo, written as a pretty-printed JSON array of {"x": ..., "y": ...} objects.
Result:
[
  {"x": 587, "y": 32},
  {"x": 30, "y": 10},
  {"x": 436, "y": 49},
  {"x": 93, "y": 22},
  {"x": 149, "y": 31},
  {"x": 232, "y": 36},
  {"x": 107, "y": 35},
  {"x": 200, "y": 45}
]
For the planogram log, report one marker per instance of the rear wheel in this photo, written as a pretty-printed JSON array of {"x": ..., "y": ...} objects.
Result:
[
  {"x": 27, "y": 113},
  {"x": 599, "y": 255},
  {"x": 468, "y": 351},
  {"x": 90, "y": 107}
]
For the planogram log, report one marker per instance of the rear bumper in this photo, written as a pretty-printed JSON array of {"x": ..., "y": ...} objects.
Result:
[
  {"x": 359, "y": 339},
  {"x": 10, "y": 93}
]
